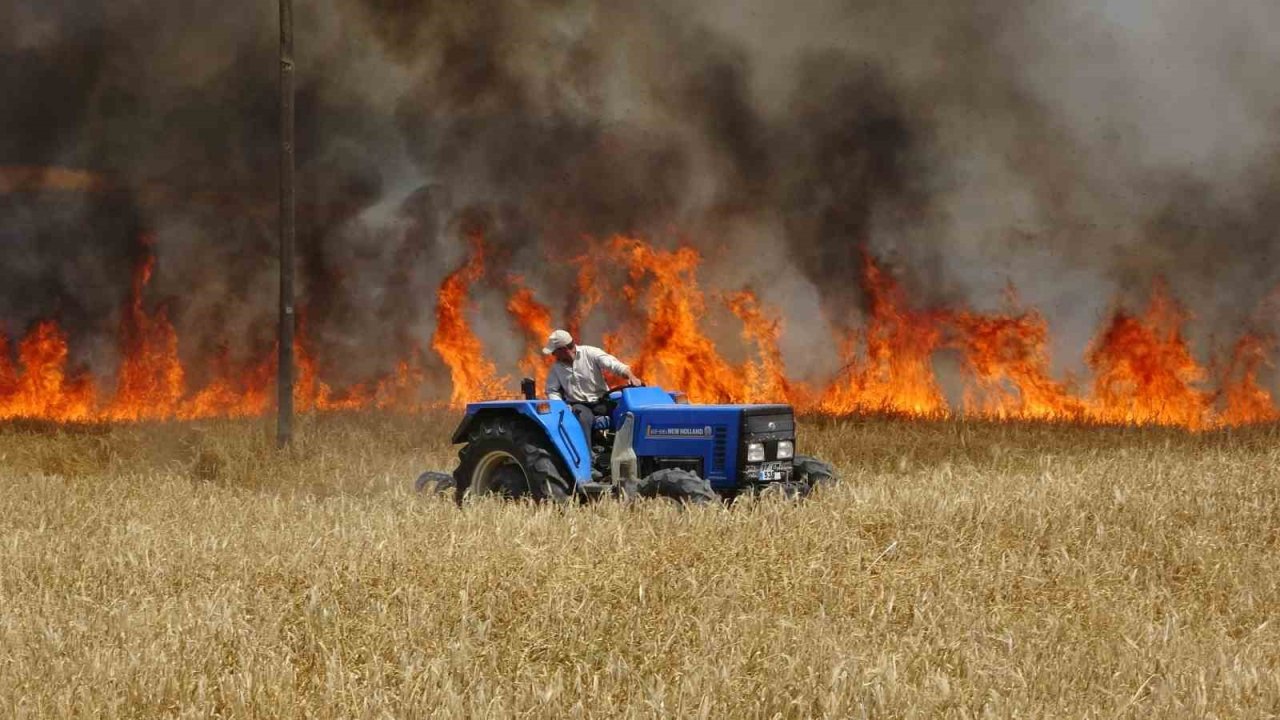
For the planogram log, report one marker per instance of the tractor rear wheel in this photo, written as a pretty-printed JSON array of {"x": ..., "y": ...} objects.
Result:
[
  {"x": 679, "y": 485},
  {"x": 505, "y": 457}
]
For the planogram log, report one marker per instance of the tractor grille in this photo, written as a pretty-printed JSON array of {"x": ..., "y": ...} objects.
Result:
[
  {"x": 769, "y": 423},
  {"x": 719, "y": 449}
]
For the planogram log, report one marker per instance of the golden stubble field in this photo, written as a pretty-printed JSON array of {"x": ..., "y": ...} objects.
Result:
[{"x": 960, "y": 569}]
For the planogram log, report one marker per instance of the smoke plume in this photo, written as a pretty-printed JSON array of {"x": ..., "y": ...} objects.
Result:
[{"x": 1077, "y": 150}]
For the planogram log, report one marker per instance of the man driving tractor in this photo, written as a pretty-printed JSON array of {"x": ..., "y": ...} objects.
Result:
[{"x": 577, "y": 377}]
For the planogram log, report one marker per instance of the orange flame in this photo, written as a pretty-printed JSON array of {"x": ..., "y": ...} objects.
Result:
[
  {"x": 43, "y": 388},
  {"x": 1244, "y": 398},
  {"x": 1009, "y": 368},
  {"x": 674, "y": 351},
  {"x": 8, "y": 373},
  {"x": 895, "y": 374},
  {"x": 1143, "y": 369},
  {"x": 474, "y": 376},
  {"x": 309, "y": 391},
  {"x": 765, "y": 380},
  {"x": 534, "y": 321},
  {"x": 401, "y": 390},
  {"x": 150, "y": 381},
  {"x": 586, "y": 294},
  {"x": 232, "y": 395}
]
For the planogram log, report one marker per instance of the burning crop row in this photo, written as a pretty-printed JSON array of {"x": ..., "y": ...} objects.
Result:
[{"x": 1142, "y": 368}]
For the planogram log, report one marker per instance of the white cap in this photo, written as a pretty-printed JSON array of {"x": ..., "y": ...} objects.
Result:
[{"x": 557, "y": 340}]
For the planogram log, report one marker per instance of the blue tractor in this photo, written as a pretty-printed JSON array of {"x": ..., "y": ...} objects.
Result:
[{"x": 652, "y": 443}]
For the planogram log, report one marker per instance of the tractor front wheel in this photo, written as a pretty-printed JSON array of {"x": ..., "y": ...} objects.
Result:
[
  {"x": 504, "y": 456},
  {"x": 813, "y": 473},
  {"x": 677, "y": 484}
]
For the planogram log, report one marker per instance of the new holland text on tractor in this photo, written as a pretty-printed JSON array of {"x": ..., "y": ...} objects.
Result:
[{"x": 652, "y": 443}]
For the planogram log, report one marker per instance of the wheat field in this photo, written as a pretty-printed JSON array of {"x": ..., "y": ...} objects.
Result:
[{"x": 960, "y": 569}]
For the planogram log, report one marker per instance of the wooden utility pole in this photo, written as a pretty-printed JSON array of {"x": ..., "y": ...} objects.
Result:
[{"x": 284, "y": 380}]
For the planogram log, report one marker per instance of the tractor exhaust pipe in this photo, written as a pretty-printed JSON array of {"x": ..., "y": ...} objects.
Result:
[{"x": 529, "y": 387}]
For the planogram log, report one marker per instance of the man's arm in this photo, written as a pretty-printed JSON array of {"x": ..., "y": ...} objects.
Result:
[
  {"x": 616, "y": 366},
  {"x": 554, "y": 389}
]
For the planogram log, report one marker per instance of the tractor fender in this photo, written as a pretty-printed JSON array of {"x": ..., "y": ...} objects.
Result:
[{"x": 553, "y": 417}]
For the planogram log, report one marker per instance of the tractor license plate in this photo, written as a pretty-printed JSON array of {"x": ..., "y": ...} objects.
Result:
[{"x": 770, "y": 473}]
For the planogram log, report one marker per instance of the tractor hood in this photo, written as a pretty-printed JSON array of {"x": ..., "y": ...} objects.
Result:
[{"x": 712, "y": 436}]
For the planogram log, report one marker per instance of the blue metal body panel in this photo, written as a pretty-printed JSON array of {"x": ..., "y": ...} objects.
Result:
[
  {"x": 560, "y": 425},
  {"x": 663, "y": 429}
]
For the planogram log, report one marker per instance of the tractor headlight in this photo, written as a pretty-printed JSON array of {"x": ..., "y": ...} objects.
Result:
[
  {"x": 755, "y": 452},
  {"x": 786, "y": 449}
]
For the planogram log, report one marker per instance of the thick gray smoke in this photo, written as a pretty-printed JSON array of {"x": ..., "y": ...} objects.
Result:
[{"x": 1075, "y": 149}]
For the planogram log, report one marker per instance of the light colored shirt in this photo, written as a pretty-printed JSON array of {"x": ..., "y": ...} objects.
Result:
[{"x": 583, "y": 381}]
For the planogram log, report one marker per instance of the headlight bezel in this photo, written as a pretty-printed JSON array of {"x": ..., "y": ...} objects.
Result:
[{"x": 755, "y": 452}]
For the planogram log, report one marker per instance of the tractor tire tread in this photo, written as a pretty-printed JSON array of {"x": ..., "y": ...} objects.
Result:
[
  {"x": 434, "y": 483},
  {"x": 813, "y": 473},
  {"x": 679, "y": 485},
  {"x": 526, "y": 446}
]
